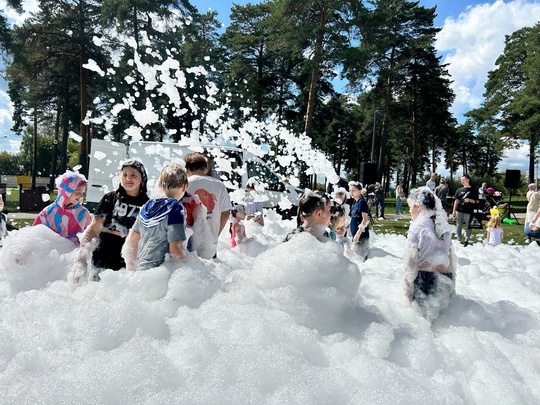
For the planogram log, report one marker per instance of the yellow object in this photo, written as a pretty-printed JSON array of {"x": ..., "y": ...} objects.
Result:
[
  {"x": 24, "y": 180},
  {"x": 494, "y": 211}
]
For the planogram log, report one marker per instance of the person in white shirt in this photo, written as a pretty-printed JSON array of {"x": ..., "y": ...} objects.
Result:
[
  {"x": 211, "y": 192},
  {"x": 431, "y": 182}
]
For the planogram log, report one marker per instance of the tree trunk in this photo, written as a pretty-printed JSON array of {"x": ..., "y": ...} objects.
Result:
[
  {"x": 315, "y": 71},
  {"x": 55, "y": 145},
  {"x": 83, "y": 58},
  {"x": 34, "y": 149}
]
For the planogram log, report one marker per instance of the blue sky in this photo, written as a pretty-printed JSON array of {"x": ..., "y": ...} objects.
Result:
[{"x": 471, "y": 39}]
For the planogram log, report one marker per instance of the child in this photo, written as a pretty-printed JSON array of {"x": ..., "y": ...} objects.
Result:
[
  {"x": 160, "y": 227},
  {"x": 359, "y": 219},
  {"x": 114, "y": 217},
  {"x": 313, "y": 215},
  {"x": 238, "y": 230},
  {"x": 66, "y": 215},
  {"x": 429, "y": 259},
  {"x": 495, "y": 232},
  {"x": 340, "y": 198},
  {"x": 337, "y": 218},
  {"x": 3, "y": 222}
]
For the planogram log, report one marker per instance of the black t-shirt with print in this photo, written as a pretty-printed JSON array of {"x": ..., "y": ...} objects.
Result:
[
  {"x": 464, "y": 193},
  {"x": 119, "y": 211}
]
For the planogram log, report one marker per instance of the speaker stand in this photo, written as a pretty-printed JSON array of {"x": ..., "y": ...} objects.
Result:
[{"x": 510, "y": 214}]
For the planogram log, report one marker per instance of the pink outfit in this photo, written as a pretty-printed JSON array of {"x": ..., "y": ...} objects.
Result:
[
  {"x": 66, "y": 221},
  {"x": 233, "y": 233}
]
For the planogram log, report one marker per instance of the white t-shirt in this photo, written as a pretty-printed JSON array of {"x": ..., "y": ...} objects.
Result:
[
  {"x": 213, "y": 194},
  {"x": 495, "y": 236}
]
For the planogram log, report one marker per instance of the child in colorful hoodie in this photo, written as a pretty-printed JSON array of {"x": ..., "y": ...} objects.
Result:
[
  {"x": 160, "y": 227},
  {"x": 66, "y": 215}
]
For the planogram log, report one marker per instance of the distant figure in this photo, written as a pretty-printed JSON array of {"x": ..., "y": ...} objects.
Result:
[
  {"x": 66, "y": 215},
  {"x": 3, "y": 222},
  {"x": 237, "y": 229},
  {"x": 359, "y": 220},
  {"x": 400, "y": 194},
  {"x": 495, "y": 233},
  {"x": 466, "y": 199},
  {"x": 441, "y": 191},
  {"x": 254, "y": 207},
  {"x": 379, "y": 200},
  {"x": 430, "y": 263},
  {"x": 533, "y": 198},
  {"x": 431, "y": 182},
  {"x": 313, "y": 215},
  {"x": 160, "y": 228},
  {"x": 114, "y": 217},
  {"x": 211, "y": 192},
  {"x": 532, "y": 228},
  {"x": 482, "y": 191}
]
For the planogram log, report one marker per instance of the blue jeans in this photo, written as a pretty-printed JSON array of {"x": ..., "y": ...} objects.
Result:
[
  {"x": 531, "y": 234},
  {"x": 399, "y": 206}
]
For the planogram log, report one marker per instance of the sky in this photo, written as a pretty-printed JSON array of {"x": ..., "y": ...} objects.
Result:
[
  {"x": 249, "y": 329},
  {"x": 471, "y": 39}
]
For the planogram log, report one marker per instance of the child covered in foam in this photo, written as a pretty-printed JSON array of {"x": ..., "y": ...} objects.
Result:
[{"x": 430, "y": 263}]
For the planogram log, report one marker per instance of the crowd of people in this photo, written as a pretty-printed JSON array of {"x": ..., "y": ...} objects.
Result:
[{"x": 132, "y": 231}]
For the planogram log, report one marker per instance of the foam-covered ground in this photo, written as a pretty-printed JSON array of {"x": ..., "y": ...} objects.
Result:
[{"x": 266, "y": 323}]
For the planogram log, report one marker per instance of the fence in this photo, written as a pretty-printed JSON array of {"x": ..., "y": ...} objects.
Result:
[{"x": 11, "y": 181}]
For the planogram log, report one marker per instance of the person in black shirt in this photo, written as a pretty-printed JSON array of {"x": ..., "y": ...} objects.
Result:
[
  {"x": 466, "y": 199},
  {"x": 113, "y": 218}
]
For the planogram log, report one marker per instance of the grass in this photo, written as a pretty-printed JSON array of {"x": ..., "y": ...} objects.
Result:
[{"x": 400, "y": 226}]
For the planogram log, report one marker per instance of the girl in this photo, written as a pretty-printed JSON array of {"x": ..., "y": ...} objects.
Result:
[
  {"x": 495, "y": 233},
  {"x": 359, "y": 220},
  {"x": 238, "y": 230},
  {"x": 337, "y": 218},
  {"x": 313, "y": 215},
  {"x": 429, "y": 260},
  {"x": 66, "y": 215},
  {"x": 114, "y": 217},
  {"x": 160, "y": 227}
]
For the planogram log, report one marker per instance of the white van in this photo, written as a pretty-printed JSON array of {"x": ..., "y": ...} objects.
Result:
[{"x": 232, "y": 165}]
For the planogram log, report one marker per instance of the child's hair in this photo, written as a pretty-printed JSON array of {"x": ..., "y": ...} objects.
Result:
[
  {"x": 494, "y": 221},
  {"x": 310, "y": 202},
  {"x": 236, "y": 209},
  {"x": 172, "y": 176},
  {"x": 336, "y": 213},
  {"x": 196, "y": 161}
]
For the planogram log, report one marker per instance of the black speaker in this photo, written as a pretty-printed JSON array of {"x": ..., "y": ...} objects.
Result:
[
  {"x": 512, "y": 178},
  {"x": 368, "y": 173}
]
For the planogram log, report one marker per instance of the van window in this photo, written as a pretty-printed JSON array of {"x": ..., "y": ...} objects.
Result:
[{"x": 264, "y": 175}]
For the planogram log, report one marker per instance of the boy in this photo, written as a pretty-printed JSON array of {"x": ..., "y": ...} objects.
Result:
[{"x": 160, "y": 227}]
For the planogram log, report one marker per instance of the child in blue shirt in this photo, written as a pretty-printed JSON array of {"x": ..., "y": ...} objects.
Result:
[{"x": 160, "y": 227}]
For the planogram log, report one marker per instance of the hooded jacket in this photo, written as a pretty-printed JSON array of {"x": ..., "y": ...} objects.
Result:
[{"x": 66, "y": 221}]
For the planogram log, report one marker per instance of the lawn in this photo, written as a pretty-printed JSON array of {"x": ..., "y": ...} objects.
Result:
[{"x": 400, "y": 226}]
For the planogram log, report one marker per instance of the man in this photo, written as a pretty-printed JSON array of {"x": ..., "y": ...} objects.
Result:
[
  {"x": 431, "y": 182},
  {"x": 212, "y": 193},
  {"x": 465, "y": 202}
]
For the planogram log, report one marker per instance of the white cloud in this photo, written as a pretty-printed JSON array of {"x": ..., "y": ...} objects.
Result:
[
  {"x": 472, "y": 43},
  {"x": 29, "y": 6}
]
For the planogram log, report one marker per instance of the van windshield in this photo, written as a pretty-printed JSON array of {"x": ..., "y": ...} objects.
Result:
[{"x": 264, "y": 175}]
